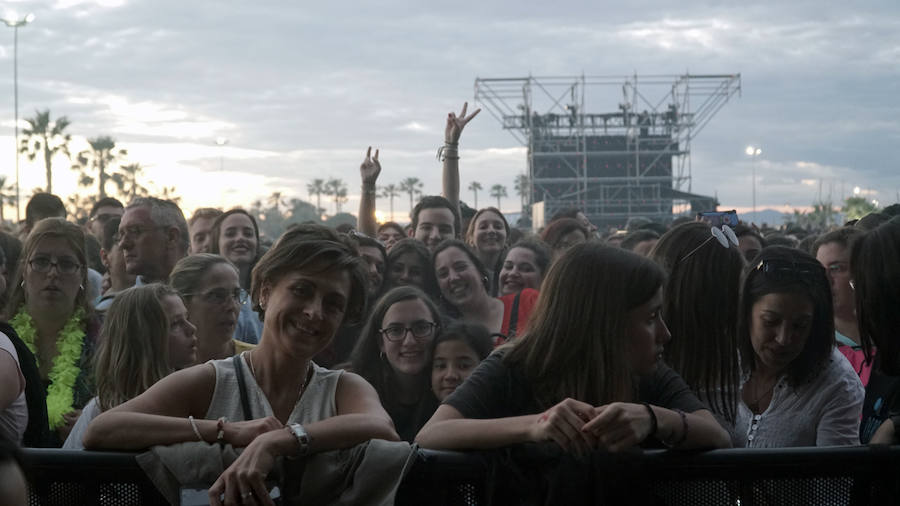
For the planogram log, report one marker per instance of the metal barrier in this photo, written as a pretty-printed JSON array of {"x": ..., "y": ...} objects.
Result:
[{"x": 541, "y": 474}]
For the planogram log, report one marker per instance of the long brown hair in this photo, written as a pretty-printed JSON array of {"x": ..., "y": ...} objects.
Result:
[
  {"x": 133, "y": 353},
  {"x": 700, "y": 307},
  {"x": 576, "y": 341}
]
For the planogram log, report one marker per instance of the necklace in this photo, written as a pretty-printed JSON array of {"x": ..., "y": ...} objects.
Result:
[
  {"x": 65, "y": 370},
  {"x": 754, "y": 405},
  {"x": 306, "y": 376}
]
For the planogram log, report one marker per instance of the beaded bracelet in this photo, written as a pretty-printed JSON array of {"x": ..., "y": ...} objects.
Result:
[
  {"x": 220, "y": 427},
  {"x": 196, "y": 429}
]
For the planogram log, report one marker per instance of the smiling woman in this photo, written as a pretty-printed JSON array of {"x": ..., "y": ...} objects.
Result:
[
  {"x": 290, "y": 406},
  {"x": 393, "y": 354}
]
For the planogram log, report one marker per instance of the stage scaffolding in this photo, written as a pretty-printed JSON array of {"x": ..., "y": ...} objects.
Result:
[{"x": 632, "y": 162}]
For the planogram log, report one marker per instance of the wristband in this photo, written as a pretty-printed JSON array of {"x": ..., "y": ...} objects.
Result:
[
  {"x": 684, "y": 432},
  {"x": 654, "y": 423}
]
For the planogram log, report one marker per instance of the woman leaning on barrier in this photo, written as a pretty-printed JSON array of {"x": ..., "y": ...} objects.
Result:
[
  {"x": 797, "y": 389},
  {"x": 307, "y": 285},
  {"x": 875, "y": 271},
  {"x": 587, "y": 374}
]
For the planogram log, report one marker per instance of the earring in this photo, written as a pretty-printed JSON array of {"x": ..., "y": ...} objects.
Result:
[
  {"x": 81, "y": 287},
  {"x": 382, "y": 355}
]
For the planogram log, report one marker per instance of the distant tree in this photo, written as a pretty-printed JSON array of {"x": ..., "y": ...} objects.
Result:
[
  {"x": 301, "y": 211},
  {"x": 317, "y": 188},
  {"x": 168, "y": 193},
  {"x": 337, "y": 189},
  {"x": 47, "y": 138},
  {"x": 390, "y": 192},
  {"x": 818, "y": 218},
  {"x": 276, "y": 201},
  {"x": 340, "y": 219},
  {"x": 474, "y": 186},
  {"x": 126, "y": 181},
  {"x": 412, "y": 186},
  {"x": 498, "y": 191},
  {"x": 99, "y": 159},
  {"x": 7, "y": 195},
  {"x": 855, "y": 207},
  {"x": 79, "y": 206},
  {"x": 523, "y": 189}
]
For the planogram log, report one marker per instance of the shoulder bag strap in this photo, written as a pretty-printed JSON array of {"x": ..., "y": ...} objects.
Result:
[
  {"x": 514, "y": 316},
  {"x": 242, "y": 386}
]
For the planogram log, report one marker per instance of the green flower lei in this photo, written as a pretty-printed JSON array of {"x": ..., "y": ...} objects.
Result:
[{"x": 65, "y": 366}]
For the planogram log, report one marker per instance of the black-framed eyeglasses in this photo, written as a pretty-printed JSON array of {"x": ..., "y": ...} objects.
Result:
[
  {"x": 724, "y": 235},
  {"x": 420, "y": 330},
  {"x": 779, "y": 269},
  {"x": 134, "y": 231},
  {"x": 218, "y": 296},
  {"x": 63, "y": 265}
]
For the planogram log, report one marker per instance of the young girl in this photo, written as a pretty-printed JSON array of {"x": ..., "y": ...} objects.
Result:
[
  {"x": 571, "y": 378},
  {"x": 457, "y": 351}
]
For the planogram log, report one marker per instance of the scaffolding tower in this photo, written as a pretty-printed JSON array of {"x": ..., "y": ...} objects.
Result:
[{"x": 634, "y": 161}]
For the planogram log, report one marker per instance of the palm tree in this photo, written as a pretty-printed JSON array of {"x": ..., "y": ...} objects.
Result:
[
  {"x": 390, "y": 192},
  {"x": 411, "y": 185},
  {"x": 317, "y": 188},
  {"x": 474, "y": 186},
  {"x": 498, "y": 190},
  {"x": 522, "y": 189},
  {"x": 99, "y": 158},
  {"x": 276, "y": 201},
  {"x": 126, "y": 181},
  {"x": 168, "y": 193},
  {"x": 338, "y": 189},
  {"x": 7, "y": 195},
  {"x": 46, "y": 137}
]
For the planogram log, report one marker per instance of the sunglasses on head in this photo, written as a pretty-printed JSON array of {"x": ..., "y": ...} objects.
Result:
[
  {"x": 724, "y": 235},
  {"x": 788, "y": 270}
]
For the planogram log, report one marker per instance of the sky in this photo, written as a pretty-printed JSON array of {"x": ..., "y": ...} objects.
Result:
[{"x": 300, "y": 90}]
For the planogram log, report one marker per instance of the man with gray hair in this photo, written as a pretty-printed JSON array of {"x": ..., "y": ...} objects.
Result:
[{"x": 153, "y": 235}]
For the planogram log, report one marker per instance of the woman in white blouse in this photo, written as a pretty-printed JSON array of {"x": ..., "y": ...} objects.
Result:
[{"x": 797, "y": 389}]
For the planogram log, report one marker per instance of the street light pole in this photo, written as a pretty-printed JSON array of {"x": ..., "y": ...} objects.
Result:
[
  {"x": 15, "y": 22},
  {"x": 753, "y": 152},
  {"x": 221, "y": 142}
]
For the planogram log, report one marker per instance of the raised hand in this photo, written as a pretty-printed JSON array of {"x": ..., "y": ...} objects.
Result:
[
  {"x": 562, "y": 424},
  {"x": 619, "y": 426},
  {"x": 370, "y": 168},
  {"x": 455, "y": 124}
]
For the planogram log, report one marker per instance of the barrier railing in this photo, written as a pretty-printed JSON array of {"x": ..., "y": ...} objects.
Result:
[{"x": 541, "y": 474}]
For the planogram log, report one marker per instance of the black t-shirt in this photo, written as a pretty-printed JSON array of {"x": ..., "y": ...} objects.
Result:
[
  {"x": 882, "y": 402},
  {"x": 494, "y": 390}
]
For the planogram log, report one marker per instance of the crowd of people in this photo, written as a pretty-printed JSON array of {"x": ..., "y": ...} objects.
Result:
[{"x": 141, "y": 328}]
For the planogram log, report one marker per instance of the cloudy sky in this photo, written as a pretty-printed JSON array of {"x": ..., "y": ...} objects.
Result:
[{"x": 300, "y": 89}]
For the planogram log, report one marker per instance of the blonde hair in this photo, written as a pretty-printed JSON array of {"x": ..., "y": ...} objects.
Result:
[{"x": 133, "y": 353}]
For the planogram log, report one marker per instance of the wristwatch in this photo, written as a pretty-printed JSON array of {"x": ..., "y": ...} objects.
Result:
[{"x": 302, "y": 436}]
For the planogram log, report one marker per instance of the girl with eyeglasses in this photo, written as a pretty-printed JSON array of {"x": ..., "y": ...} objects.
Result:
[
  {"x": 50, "y": 312},
  {"x": 235, "y": 236},
  {"x": 587, "y": 375},
  {"x": 797, "y": 389},
  {"x": 393, "y": 355},
  {"x": 213, "y": 296}
]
